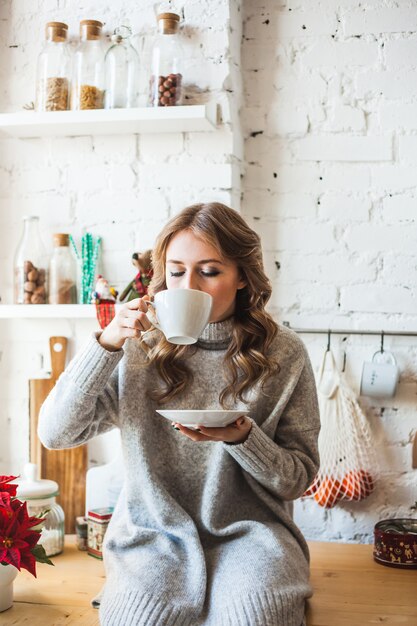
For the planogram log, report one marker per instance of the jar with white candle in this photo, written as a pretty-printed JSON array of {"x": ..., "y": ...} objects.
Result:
[{"x": 40, "y": 496}]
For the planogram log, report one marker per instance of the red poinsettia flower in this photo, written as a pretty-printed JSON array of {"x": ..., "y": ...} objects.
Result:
[
  {"x": 4, "y": 486},
  {"x": 22, "y": 516},
  {"x": 18, "y": 539},
  {"x": 28, "y": 562},
  {"x": 4, "y": 499}
]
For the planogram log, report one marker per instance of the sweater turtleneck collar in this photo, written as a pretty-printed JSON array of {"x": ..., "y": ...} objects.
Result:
[{"x": 216, "y": 335}]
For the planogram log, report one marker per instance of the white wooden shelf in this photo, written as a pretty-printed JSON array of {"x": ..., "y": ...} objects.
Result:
[
  {"x": 48, "y": 311},
  {"x": 176, "y": 119}
]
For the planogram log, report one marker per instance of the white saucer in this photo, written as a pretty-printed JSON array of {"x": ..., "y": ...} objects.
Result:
[{"x": 204, "y": 417}]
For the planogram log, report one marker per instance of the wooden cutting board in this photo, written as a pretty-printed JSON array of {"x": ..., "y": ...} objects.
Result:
[{"x": 67, "y": 467}]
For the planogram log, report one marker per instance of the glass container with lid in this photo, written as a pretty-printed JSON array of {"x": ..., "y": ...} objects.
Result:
[
  {"x": 54, "y": 70},
  {"x": 62, "y": 272},
  {"x": 122, "y": 71},
  {"x": 30, "y": 265},
  {"x": 88, "y": 68},
  {"x": 165, "y": 88},
  {"x": 40, "y": 496}
]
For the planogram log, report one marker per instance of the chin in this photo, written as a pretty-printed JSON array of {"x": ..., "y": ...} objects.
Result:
[{"x": 221, "y": 317}]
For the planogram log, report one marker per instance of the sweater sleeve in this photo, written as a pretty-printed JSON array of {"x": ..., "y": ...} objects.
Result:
[
  {"x": 84, "y": 400},
  {"x": 287, "y": 463}
]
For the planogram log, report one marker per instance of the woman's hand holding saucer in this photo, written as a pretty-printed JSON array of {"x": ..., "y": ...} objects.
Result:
[{"x": 234, "y": 433}]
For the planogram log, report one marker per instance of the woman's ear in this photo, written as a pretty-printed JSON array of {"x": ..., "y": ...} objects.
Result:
[{"x": 242, "y": 282}]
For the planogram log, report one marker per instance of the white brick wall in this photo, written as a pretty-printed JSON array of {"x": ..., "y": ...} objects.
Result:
[
  {"x": 122, "y": 188},
  {"x": 379, "y": 20},
  {"x": 330, "y": 184},
  {"x": 329, "y": 120}
]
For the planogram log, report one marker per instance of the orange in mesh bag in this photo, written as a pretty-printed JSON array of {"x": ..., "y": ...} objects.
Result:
[{"x": 348, "y": 464}]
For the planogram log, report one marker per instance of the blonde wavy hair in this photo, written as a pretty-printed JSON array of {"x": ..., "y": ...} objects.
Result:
[{"x": 246, "y": 360}]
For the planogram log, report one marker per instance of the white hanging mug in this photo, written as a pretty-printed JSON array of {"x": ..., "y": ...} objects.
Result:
[
  {"x": 380, "y": 376},
  {"x": 181, "y": 314}
]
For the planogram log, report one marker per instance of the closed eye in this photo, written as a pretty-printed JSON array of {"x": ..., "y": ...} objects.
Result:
[
  {"x": 204, "y": 273},
  {"x": 213, "y": 273}
]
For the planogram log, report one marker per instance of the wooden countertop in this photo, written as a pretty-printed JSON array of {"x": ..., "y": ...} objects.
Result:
[{"x": 350, "y": 589}]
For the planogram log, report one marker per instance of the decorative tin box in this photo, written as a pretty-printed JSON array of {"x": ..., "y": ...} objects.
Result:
[
  {"x": 81, "y": 532},
  {"x": 98, "y": 520},
  {"x": 395, "y": 543}
]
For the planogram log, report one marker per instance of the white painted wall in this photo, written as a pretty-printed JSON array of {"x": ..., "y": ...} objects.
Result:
[
  {"x": 329, "y": 148},
  {"x": 330, "y": 181}
]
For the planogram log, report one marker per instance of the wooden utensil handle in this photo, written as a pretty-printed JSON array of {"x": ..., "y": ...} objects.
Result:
[
  {"x": 58, "y": 349},
  {"x": 414, "y": 452}
]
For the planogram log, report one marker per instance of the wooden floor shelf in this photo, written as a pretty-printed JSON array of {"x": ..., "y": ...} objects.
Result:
[{"x": 350, "y": 589}]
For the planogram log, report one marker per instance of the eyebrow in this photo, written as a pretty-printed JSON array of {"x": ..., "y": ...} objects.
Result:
[{"x": 198, "y": 262}]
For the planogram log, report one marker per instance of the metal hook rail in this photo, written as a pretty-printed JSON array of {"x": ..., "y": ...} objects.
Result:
[{"x": 331, "y": 331}]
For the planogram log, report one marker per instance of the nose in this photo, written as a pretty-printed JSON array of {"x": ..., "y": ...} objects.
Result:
[{"x": 190, "y": 281}]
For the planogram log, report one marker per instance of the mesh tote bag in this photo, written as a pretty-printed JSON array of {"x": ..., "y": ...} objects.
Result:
[{"x": 348, "y": 464}]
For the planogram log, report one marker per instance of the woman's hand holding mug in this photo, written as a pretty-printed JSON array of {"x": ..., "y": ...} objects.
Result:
[
  {"x": 129, "y": 322},
  {"x": 181, "y": 314}
]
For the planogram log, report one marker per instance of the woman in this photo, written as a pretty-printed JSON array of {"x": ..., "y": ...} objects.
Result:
[{"x": 202, "y": 533}]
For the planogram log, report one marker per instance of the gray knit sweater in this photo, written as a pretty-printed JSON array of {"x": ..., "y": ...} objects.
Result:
[{"x": 202, "y": 533}]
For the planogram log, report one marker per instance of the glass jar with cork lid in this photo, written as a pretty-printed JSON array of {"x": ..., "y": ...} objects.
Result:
[
  {"x": 54, "y": 70},
  {"x": 122, "y": 71},
  {"x": 165, "y": 88},
  {"x": 62, "y": 272},
  {"x": 88, "y": 68},
  {"x": 30, "y": 265}
]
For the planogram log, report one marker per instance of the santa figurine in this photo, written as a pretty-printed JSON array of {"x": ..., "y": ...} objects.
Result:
[{"x": 104, "y": 297}]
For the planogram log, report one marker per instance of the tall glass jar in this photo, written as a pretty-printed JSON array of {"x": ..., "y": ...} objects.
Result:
[
  {"x": 122, "y": 71},
  {"x": 54, "y": 70},
  {"x": 166, "y": 65},
  {"x": 30, "y": 265},
  {"x": 88, "y": 69},
  {"x": 62, "y": 272},
  {"x": 40, "y": 496}
]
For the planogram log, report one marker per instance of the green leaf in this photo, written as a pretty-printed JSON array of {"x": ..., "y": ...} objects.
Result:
[{"x": 40, "y": 555}]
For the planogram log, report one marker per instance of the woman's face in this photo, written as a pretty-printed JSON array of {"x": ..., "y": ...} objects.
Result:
[{"x": 192, "y": 263}]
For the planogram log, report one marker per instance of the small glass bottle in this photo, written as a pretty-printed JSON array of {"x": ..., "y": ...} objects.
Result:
[
  {"x": 40, "y": 496},
  {"x": 62, "y": 272},
  {"x": 88, "y": 68},
  {"x": 122, "y": 71},
  {"x": 54, "y": 70},
  {"x": 30, "y": 265},
  {"x": 166, "y": 68}
]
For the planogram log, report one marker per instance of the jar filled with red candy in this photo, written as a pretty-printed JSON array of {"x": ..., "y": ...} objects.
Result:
[{"x": 165, "y": 87}]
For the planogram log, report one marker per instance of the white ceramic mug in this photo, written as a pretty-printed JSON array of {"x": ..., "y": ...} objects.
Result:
[
  {"x": 181, "y": 314},
  {"x": 380, "y": 376}
]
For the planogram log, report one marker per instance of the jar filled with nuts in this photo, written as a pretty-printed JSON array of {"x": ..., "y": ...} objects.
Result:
[
  {"x": 88, "y": 68},
  {"x": 30, "y": 263},
  {"x": 54, "y": 70},
  {"x": 165, "y": 87}
]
